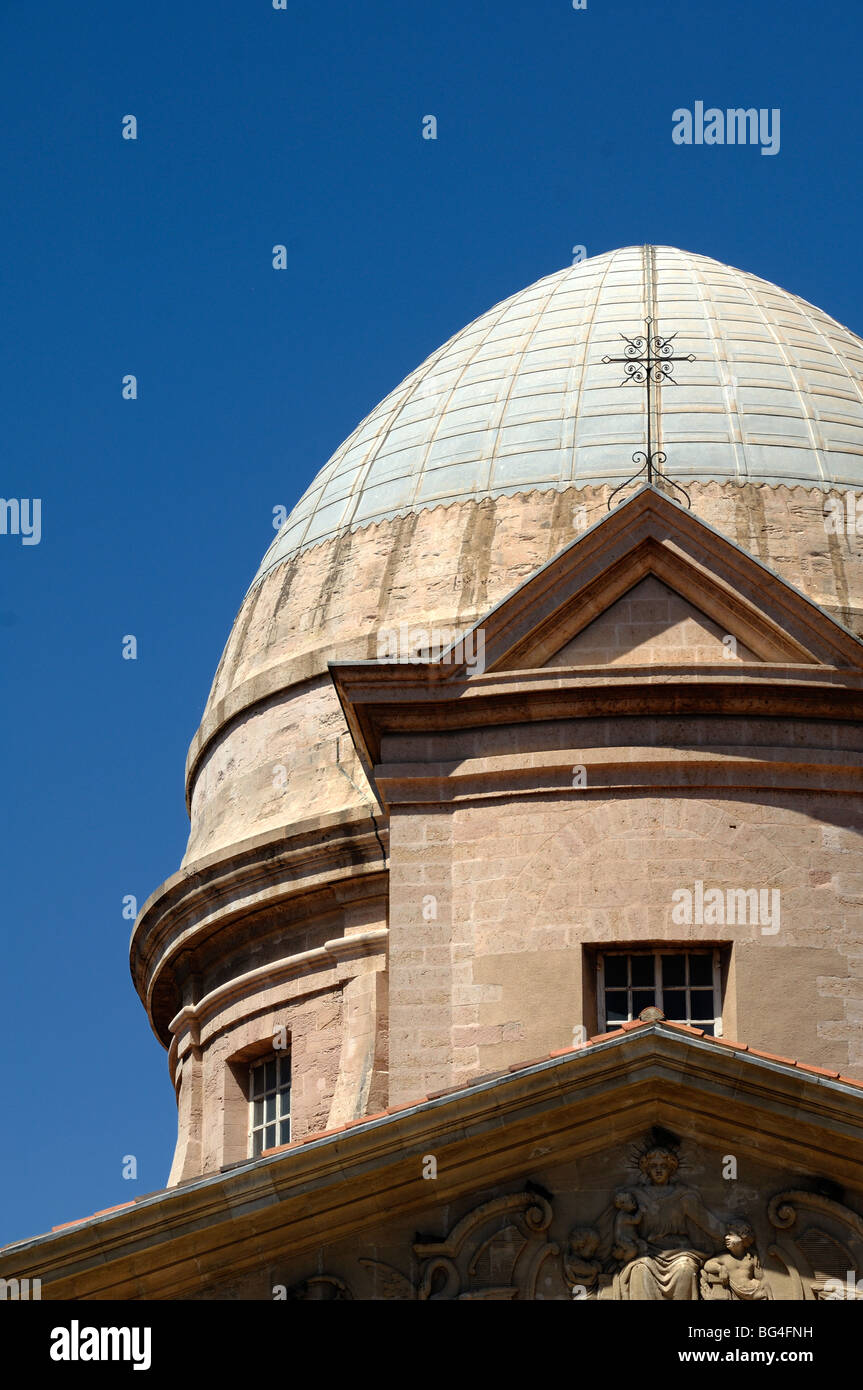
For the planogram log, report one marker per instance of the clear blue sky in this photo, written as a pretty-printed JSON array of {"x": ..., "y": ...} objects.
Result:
[{"x": 153, "y": 257}]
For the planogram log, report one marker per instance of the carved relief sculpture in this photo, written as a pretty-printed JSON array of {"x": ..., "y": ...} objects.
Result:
[
  {"x": 582, "y": 1270},
  {"x": 669, "y": 1224},
  {"x": 738, "y": 1273},
  {"x": 655, "y": 1240}
]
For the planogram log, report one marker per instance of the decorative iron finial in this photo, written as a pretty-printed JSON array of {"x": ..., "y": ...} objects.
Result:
[{"x": 649, "y": 360}]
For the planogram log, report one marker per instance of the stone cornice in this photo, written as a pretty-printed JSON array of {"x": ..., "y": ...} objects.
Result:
[
  {"x": 631, "y": 768},
  {"x": 284, "y": 679},
  {"x": 398, "y": 701},
  {"x": 320, "y": 864},
  {"x": 192, "y": 1017},
  {"x": 370, "y": 1173}
]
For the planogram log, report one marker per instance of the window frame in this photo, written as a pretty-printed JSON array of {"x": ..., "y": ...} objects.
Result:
[
  {"x": 282, "y": 1089},
  {"x": 689, "y": 949}
]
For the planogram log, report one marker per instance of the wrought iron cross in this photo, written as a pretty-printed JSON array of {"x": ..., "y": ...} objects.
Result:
[{"x": 649, "y": 360}]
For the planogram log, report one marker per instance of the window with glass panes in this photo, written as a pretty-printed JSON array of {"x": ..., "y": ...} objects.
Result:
[
  {"x": 685, "y": 985},
  {"x": 270, "y": 1103}
]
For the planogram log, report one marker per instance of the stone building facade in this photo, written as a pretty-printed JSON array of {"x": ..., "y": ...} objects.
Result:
[{"x": 522, "y": 899}]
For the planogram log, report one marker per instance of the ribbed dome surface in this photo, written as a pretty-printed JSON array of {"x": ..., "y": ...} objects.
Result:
[{"x": 521, "y": 400}]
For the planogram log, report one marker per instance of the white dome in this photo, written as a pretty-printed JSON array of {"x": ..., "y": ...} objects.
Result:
[{"x": 520, "y": 400}]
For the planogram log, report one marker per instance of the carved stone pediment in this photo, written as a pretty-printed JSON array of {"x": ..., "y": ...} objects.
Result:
[{"x": 670, "y": 1232}]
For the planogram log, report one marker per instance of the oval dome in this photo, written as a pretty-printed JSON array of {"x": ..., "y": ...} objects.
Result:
[{"x": 520, "y": 400}]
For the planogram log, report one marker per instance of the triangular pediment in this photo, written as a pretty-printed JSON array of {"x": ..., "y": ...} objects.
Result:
[
  {"x": 706, "y": 587},
  {"x": 531, "y": 659},
  {"x": 652, "y": 625}
]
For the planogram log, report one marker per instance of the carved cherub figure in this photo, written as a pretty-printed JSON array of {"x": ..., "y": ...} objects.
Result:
[
  {"x": 738, "y": 1273},
  {"x": 580, "y": 1265},
  {"x": 628, "y": 1245}
]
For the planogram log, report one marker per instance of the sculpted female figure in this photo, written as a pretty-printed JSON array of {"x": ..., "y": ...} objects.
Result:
[{"x": 671, "y": 1222}]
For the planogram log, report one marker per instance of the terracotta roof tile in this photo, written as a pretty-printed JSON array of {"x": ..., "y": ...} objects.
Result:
[
  {"x": 408, "y": 1105},
  {"x": 118, "y": 1207},
  {"x": 774, "y": 1057}
]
